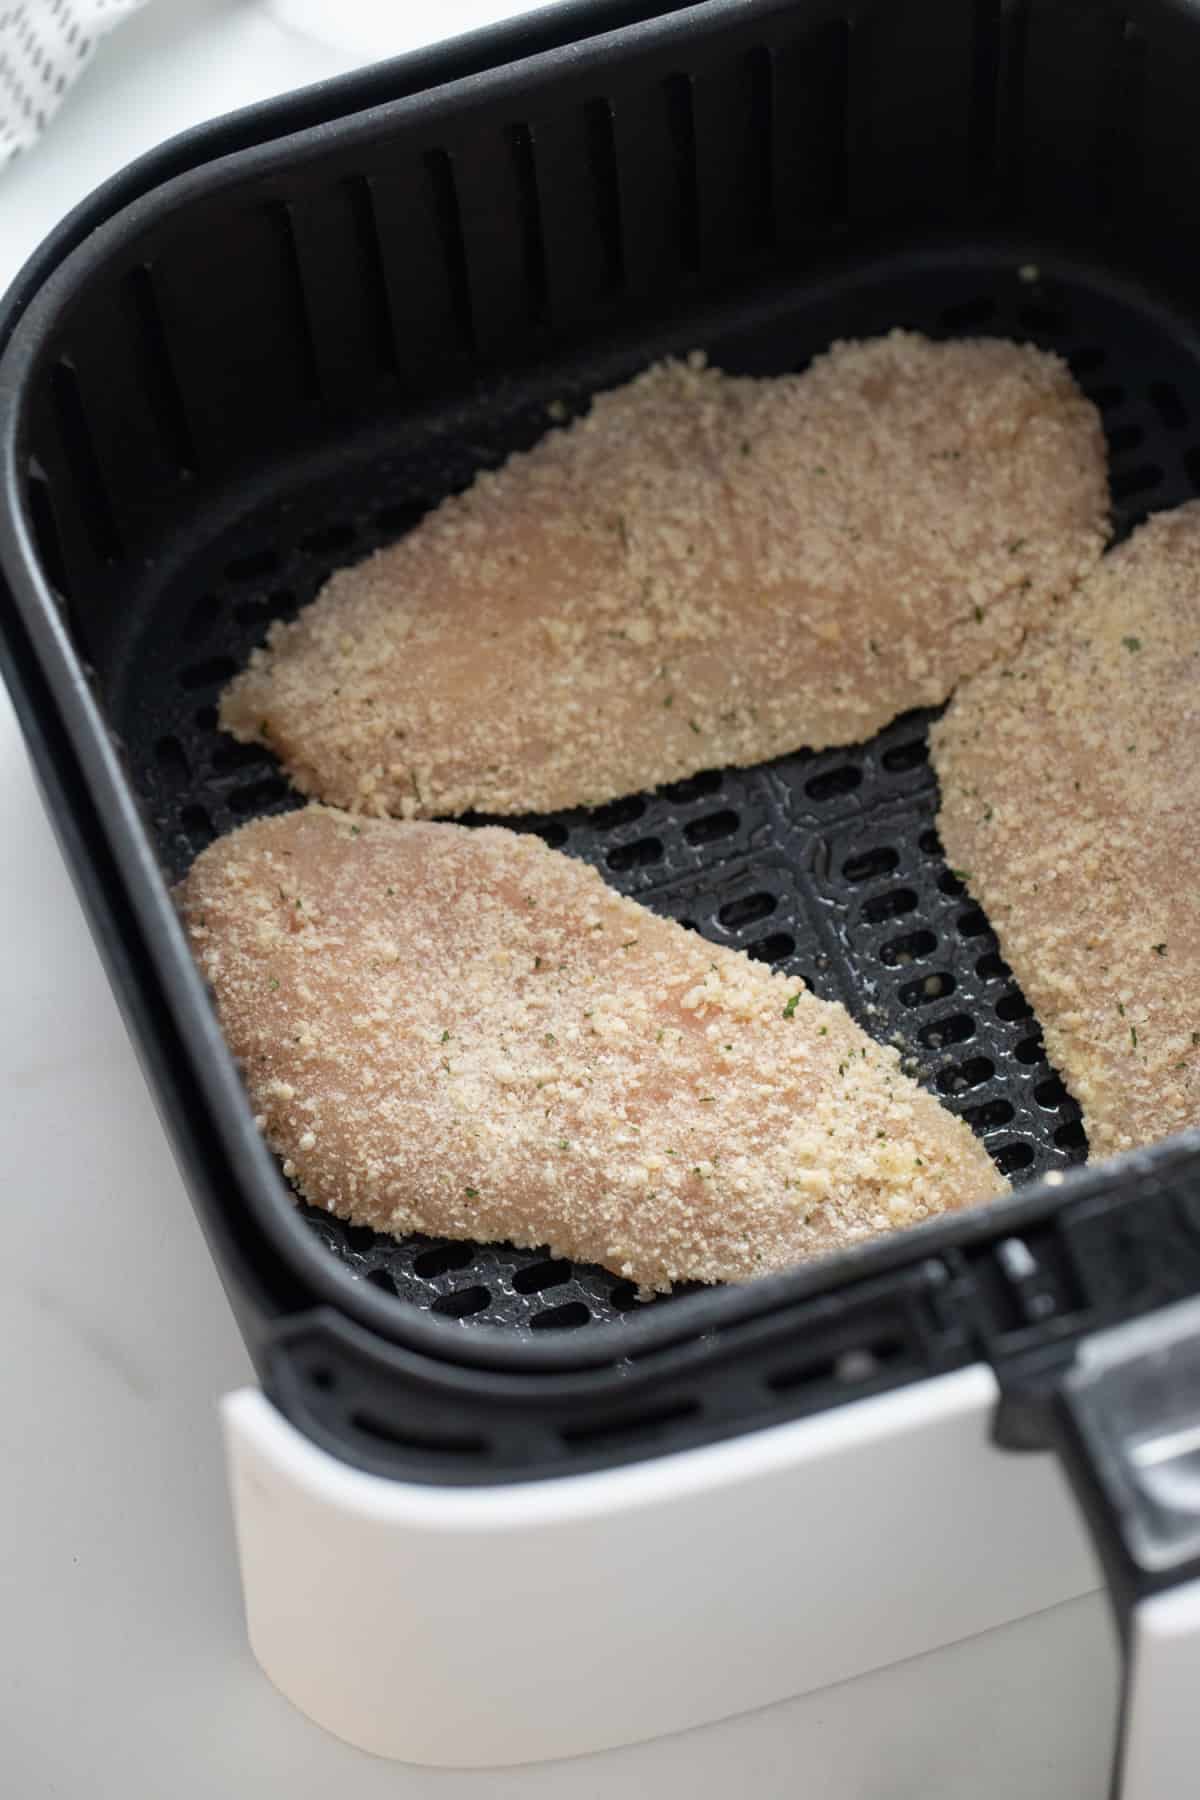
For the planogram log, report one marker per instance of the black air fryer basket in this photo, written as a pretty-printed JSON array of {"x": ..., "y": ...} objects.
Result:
[{"x": 277, "y": 342}]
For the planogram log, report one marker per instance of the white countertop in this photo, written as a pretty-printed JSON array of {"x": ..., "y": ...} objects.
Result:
[{"x": 123, "y": 1666}]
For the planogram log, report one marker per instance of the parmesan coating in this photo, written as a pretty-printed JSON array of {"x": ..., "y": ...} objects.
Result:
[
  {"x": 466, "y": 1033},
  {"x": 1071, "y": 802},
  {"x": 704, "y": 571}
]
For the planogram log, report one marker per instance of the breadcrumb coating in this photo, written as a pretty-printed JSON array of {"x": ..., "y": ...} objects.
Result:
[
  {"x": 704, "y": 571},
  {"x": 1071, "y": 802},
  {"x": 468, "y": 1034}
]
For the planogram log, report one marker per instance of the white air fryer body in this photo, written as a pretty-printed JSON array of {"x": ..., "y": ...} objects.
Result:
[{"x": 520, "y": 1622}]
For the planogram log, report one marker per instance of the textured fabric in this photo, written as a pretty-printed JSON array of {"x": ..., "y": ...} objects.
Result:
[{"x": 44, "y": 45}]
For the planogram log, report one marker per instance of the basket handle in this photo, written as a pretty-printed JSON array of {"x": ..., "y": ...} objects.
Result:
[{"x": 1125, "y": 1420}]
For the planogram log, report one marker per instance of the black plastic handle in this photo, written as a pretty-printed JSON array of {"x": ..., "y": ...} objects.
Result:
[{"x": 1124, "y": 1416}]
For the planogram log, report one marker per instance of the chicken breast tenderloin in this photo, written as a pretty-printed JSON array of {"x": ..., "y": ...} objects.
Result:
[
  {"x": 1070, "y": 782},
  {"x": 703, "y": 571},
  {"x": 465, "y": 1033}
]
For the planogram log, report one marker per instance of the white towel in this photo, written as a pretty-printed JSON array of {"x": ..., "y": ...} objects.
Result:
[{"x": 44, "y": 45}]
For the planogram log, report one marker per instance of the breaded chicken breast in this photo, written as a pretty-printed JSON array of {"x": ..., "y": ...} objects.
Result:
[
  {"x": 1071, "y": 800},
  {"x": 703, "y": 571},
  {"x": 465, "y": 1033}
]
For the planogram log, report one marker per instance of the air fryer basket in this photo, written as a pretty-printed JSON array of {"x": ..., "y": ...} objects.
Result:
[{"x": 277, "y": 343}]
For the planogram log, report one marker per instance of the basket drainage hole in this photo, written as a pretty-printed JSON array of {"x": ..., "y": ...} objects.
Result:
[
  {"x": 712, "y": 828},
  {"x": 992, "y": 967},
  {"x": 1125, "y": 437},
  {"x": 776, "y": 948},
  {"x": 462, "y": 1302},
  {"x": 989, "y": 1116},
  {"x": 1008, "y": 1158},
  {"x": 693, "y": 787},
  {"x": 639, "y": 855},
  {"x": 1051, "y": 1094},
  {"x": 257, "y": 795},
  {"x": 903, "y": 757},
  {"x": 929, "y": 988},
  {"x": 170, "y": 757},
  {"x": 954, "y": 1030},
  {"x": 964, "y": 1076},
  {"x": 1031, "y": 1049},
  {"x": 746, "y": 911},
  {"x": 539, "y": 1276},
  {"x": 889, "y": 906},
  {"x": 618, "y": 812},
  {"x": 1012, "y": 1007},
  {"x": 198, "y": 828},
  {"x": 834, "y": 783},
  {"x": 441, "y": 1259},
  {"x": 1128, "y": 483},
  {"x": 1167, "y": 404},
  {"x": 870, "y": 864},
  {"x": 561, "y": 1318},
  {"x": 902, "y": 950},
  {"x": 1071, "y": 1136}
]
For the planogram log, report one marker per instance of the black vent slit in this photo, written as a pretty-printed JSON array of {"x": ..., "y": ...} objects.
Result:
[
  {"x": 296, "y": 301},
  {"x": 158, "y": 370},
  {"x": 761, "y": 148},
  {"x": 79, "y": 451},
  {"x": 681, "y": 121},
  {"x": 448, "y": 214},
  {"x": 46, "y": 532},
  {"x": 361, "y": 202},
  {"x": 533, "y": 247},
  {"x": 602, "y": 158}
]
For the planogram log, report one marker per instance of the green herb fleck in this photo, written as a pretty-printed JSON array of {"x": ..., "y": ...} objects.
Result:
[
  {"x": 1133, "y": 1036},
  {"x": 564, "y": 1144},
  {"x": 445, "y": 1037},
  {"x": 1121, "y": 1008},
  {"x": 264, "y": 727},
  {"x": 1132, "y": 643},
  {"x": 790, "y": 1008},
  {"x": 391, "y": 891},
  {"x": 979, "y": 615},
  {"x": 961, "y": 874},
  {"x": 881, "y": 1134},
  {"x": 824, "y": 1031},
  {"x": 669, "y": 700},
  {"x": 471, "y": 1193},
  {"x": 1159, "y": 949},
  {"x": 841, "y": 1068},
  {"x": 745, "y": 446},
  {"x": 1016, "y": 545},
  {"x": 658, "y": 1038},
  {"x": 987, "y": 815},
  {"x": 356, "y": 831},
  {"x": 692, "y": 723},
  {"x": 274, "y": 984},
  {"x": 872, "y": 646},
  {"x": 708, "y": 1100},
  {"x": 550, "y": 1038}
]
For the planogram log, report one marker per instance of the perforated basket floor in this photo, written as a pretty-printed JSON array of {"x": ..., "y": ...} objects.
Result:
[{"x": 826, "y": 865}]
